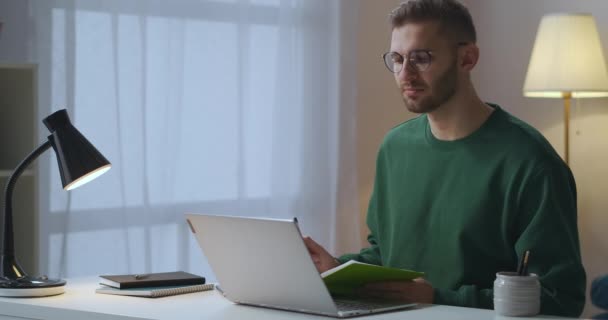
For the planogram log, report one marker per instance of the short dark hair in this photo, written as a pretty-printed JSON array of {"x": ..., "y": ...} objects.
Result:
[{"x": 454, "y": 17}]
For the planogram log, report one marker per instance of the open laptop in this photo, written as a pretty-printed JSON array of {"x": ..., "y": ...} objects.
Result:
[{"x": 265, "y": 263}]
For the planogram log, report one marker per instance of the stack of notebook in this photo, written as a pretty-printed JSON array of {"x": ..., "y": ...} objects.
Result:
[{"x": 152, "y": 284}]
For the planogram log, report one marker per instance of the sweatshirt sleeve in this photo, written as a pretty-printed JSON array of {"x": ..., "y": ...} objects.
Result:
[
  {"x": 369, "y": 255},
  {"x": 545, "y": 224}
]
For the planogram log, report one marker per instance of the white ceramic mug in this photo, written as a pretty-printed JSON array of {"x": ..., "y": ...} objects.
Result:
[{"x": 516, "y": 295}]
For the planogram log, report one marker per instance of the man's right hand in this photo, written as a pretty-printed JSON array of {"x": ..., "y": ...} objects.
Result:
[{"x": 322, "y": 259}]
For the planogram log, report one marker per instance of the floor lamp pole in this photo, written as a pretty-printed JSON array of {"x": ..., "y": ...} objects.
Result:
[{"x": 567, "y": 98}]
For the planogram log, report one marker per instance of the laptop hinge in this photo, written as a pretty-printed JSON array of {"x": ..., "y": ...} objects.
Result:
[{"x": 191, "y": 227}]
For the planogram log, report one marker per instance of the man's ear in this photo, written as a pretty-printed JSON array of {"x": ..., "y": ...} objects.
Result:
[{"x": 469, "y": 55}]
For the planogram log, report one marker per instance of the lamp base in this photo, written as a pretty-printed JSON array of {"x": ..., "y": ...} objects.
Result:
[{"x": 26, "y": 287}]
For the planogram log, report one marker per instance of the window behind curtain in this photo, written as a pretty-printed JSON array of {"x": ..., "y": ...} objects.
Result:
[{"x": 220, "y": 107}]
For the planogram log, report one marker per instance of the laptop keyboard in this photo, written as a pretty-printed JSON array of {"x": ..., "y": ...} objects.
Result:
[{"x": 349, "y": 305}]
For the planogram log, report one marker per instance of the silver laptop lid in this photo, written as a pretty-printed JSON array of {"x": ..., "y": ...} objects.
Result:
[{"x": 262, "y": 262}]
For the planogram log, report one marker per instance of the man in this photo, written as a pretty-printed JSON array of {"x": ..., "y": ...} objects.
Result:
[{"x": 464, "y": 189}]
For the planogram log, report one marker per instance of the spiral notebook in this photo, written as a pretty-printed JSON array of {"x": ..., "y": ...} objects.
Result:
[{"x": 155, "y": 292}]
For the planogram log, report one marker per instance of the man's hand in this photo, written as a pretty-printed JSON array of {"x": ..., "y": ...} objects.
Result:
[
  {"x": 322, "y": 259},
  {"x": 417, "y": 290}
]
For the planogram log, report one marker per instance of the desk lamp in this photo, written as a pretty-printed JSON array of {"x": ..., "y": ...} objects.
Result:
[
  {"x": 79, "y": 162},
  {"x": 567, "y": 62}
]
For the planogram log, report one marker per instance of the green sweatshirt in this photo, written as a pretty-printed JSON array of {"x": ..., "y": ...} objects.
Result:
[{"x": 462, "y": 210}]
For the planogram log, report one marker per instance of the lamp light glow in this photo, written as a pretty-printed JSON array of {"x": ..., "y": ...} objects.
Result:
[
  {"x": 567, "y": 62},
  {"x": 87, "y": 177}
]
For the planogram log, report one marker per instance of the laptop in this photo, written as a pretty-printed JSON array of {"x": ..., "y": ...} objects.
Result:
[{"x": 265, "y": 263}]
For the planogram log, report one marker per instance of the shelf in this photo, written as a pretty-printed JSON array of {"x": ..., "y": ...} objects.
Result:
[
  {"x": 18, "y": 137},
  {"x": 7, "y": 173}
]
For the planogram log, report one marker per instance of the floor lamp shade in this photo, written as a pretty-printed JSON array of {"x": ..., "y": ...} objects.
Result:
[
  {"x": 567, "y": 62},
  {"x": 567, "y": 58}
]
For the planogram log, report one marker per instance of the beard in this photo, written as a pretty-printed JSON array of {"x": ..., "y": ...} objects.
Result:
[{"x": 442, "y": 89}]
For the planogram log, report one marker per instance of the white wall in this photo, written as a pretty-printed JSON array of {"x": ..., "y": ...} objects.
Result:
[
  {"x": 379, "y": 105},
  {"x": 506, "y": 32},
  {"x": 15, "y": 38}
]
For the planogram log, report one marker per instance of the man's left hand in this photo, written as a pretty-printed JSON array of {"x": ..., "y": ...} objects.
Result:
[{"x": 415, "y": 291}]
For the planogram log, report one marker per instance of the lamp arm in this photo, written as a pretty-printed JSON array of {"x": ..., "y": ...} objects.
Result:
[{"x": 8, "y": 247}]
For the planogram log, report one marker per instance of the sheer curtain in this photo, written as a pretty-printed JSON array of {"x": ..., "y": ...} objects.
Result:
[{"x": 221, "y": 107}]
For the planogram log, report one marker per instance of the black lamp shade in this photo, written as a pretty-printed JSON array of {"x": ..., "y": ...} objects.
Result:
[{"x": 79, "y": 162}]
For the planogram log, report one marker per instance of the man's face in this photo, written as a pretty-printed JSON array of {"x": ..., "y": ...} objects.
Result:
[{"x": 425, "y": 91}]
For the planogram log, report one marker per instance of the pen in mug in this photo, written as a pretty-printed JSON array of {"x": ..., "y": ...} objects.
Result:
[
  {"x": 522, "y": 269},
  {"x": 524, "y": 272}
]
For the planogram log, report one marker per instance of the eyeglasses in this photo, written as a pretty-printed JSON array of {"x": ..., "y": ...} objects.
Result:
[{"x": 417, "y": 60}]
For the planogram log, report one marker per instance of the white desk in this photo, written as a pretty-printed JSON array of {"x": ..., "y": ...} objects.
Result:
[{"x": 81, "y": 302}]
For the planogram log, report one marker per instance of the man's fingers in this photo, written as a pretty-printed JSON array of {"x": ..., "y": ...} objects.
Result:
[
  {"x": 391, "y": 286},
  {"x": 384, "y": 295},
  {"x": 312, "y": 245},
  {"x": 420, "y": 280},
  {"x": 389, "y": 290}
]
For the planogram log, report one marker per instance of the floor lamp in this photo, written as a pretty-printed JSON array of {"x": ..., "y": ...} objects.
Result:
[{"x": 567, "y": 62}]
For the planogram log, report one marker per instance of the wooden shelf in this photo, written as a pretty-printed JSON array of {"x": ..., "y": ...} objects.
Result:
[{"x": 18, "y": 127}]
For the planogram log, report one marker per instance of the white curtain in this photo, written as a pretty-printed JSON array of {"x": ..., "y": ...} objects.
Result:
[{"x": 220, "y": 107}]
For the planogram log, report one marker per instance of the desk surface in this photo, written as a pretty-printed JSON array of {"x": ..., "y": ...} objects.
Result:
[{"x": 81, "y": 302}]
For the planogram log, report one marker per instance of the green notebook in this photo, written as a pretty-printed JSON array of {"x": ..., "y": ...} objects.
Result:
[{"x": 344, "y": 279}]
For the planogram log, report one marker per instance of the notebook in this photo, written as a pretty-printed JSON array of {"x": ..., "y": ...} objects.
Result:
[
  {"x": 265, "y": 263},
  {"x": 161, "y": 279},
  {"x": 155, "y": 292},
  {"x": 346, "y": 278}
]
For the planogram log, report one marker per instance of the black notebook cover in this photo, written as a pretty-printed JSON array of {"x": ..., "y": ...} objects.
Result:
[{"x": 177, "y": 278}]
